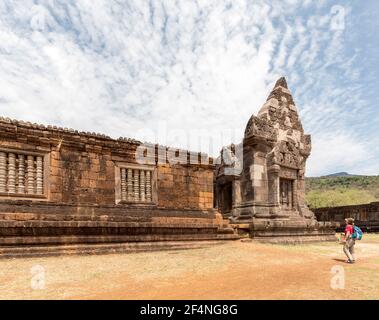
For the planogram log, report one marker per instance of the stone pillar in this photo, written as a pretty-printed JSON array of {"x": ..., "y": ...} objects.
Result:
[
  {"x": 3, "y": 172},
  {"x": 136, "y": 185},
  {"x": 236, "y": 192},
  {"x": 39, "y": 176},
  {"x": 11, "y": 173},
  {"x": 299, "y": 189},
  {"x": 30, "y": 172},
  {"x": 123, "y": 184},
  {"x": 142, "y": 185},
  {"x": 274, "y": 187},
  {"x": 130, "y": 192},
  {"x": 216, "y": 196},
  {"x": 21, "y": 173},
  {"x": 148, "y": 186}
]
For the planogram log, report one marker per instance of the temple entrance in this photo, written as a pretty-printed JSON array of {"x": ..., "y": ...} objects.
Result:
[
  {"x": 286, "y": 193},
  {"x": 226, "y": 198}
]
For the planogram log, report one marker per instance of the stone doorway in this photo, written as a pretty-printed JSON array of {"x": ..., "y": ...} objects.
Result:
[
  {"x": 286, "y": 193},
  {"x": 226, "y": 197}
]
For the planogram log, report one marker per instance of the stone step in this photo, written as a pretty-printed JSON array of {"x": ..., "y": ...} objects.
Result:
[
  {"x": 107, "y": 224},
  {"x": 12, "y": 216},
  {"x": 93, "y": 239},
  {"x": 111, "y": 248}
]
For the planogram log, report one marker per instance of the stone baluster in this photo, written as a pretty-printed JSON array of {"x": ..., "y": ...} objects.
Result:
[
  {"x": 21, "y": 174},
  {"x": 11, "y": 173},
  {"x": 39, "y": 176},
  {"x": 3, "y": 172},
  {"x": 123, "y": 184},
  {"x": 30, "y": 172},
  {"x": 148, "y": 186},
  {"x": 130, "y": 191},
  {"x": 142, "y": 186},
  {"x": 136, "y": 185}
]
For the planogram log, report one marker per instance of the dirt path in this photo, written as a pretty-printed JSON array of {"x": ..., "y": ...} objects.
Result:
[{"x": 232, "y": 271}]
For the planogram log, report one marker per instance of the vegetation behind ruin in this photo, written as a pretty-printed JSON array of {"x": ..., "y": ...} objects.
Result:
[{"x": 332, "y": 191}]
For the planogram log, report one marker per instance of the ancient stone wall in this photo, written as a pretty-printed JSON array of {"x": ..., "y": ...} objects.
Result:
[
  {"x": 79, "y": 168},
  {"x": 79, "y": 190},
  {"x": 366, "y": 215}
]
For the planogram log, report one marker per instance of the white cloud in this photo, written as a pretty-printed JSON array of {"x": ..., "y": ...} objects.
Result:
[
  {"x": 338, "y": 150},
  {"x": 120, "y": 67}
]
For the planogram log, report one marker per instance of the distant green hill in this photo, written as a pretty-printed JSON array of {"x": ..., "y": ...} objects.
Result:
[
  {"x": 339, "y": 190},
  {"x": 340, "y": 174}
]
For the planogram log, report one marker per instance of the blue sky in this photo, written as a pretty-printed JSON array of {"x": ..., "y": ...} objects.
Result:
[{"x": 190, "y": 73}]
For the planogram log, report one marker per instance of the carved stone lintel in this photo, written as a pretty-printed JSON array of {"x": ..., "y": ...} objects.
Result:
[{"x": 261, "y": 127}]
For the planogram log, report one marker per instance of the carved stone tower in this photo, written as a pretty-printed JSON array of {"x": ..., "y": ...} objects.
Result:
[{"x": 266, "y": 189}]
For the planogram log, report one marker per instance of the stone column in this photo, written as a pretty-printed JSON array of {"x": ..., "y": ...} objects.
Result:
[
  {"x": 274, "y": 187},
  {"x": 123, "y": 184},
  {"x": 3, "y": 172},
  {"x": 216, "y": 196},
  {"x": 299, "y": 189},
  {"x": 21, "y": 173},
  {"x": 136, "y": 184},
  {"x": 39, "y": 176},
  {"x": 148, "y": 186},
  {"x": 11, "y": 173},
  {"x": 130, "y": 192},
  {"x": 30, "y": 171},
  {"x": 236, "y": 192},
  {"x": 142, "y": 185}
]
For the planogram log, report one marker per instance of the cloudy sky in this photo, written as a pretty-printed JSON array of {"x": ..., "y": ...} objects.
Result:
[{"x": 190, "y": 73}]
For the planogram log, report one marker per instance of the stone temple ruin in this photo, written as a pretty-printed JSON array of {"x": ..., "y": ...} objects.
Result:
[
  {"x": 265, "y": 192},
  {"x": 64, "y": 191}
]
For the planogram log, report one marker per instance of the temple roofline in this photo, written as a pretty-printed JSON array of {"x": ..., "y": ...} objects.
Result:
[
  {"x": 54, "y": 130},
  {"x": 281, "y": 82}
]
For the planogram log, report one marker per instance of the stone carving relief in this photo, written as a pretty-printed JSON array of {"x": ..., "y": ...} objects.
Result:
[
  {"x": 261, "y": 127},
  {"x": 286, "y": 154}
]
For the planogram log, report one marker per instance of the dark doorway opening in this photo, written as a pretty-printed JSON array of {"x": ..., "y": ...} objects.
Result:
[
  {"x": 226, "y": 197},
  {"x": 286, "y": 193}
]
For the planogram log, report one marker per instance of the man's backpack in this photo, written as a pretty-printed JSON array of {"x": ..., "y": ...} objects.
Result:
[{"x": 357, "y": 235}]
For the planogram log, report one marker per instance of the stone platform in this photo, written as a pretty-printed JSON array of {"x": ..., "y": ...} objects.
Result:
[
  {"x": 45, "y": 228},
  {"x": 28, "y": 251},
  {"x": 286, "y": 232},
  {"x": 294, "y": 234}
]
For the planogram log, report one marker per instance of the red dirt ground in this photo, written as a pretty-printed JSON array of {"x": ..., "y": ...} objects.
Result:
[{"x": 236, "y": 270}]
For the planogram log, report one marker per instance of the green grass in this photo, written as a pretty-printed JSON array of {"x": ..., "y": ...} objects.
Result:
[{"x": 340, "y": 191}]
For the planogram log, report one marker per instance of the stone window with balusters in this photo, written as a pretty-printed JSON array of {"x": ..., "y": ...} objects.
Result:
[
  {"x": 135, "y": 184},
  {"x": 21, "y": 174}
]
